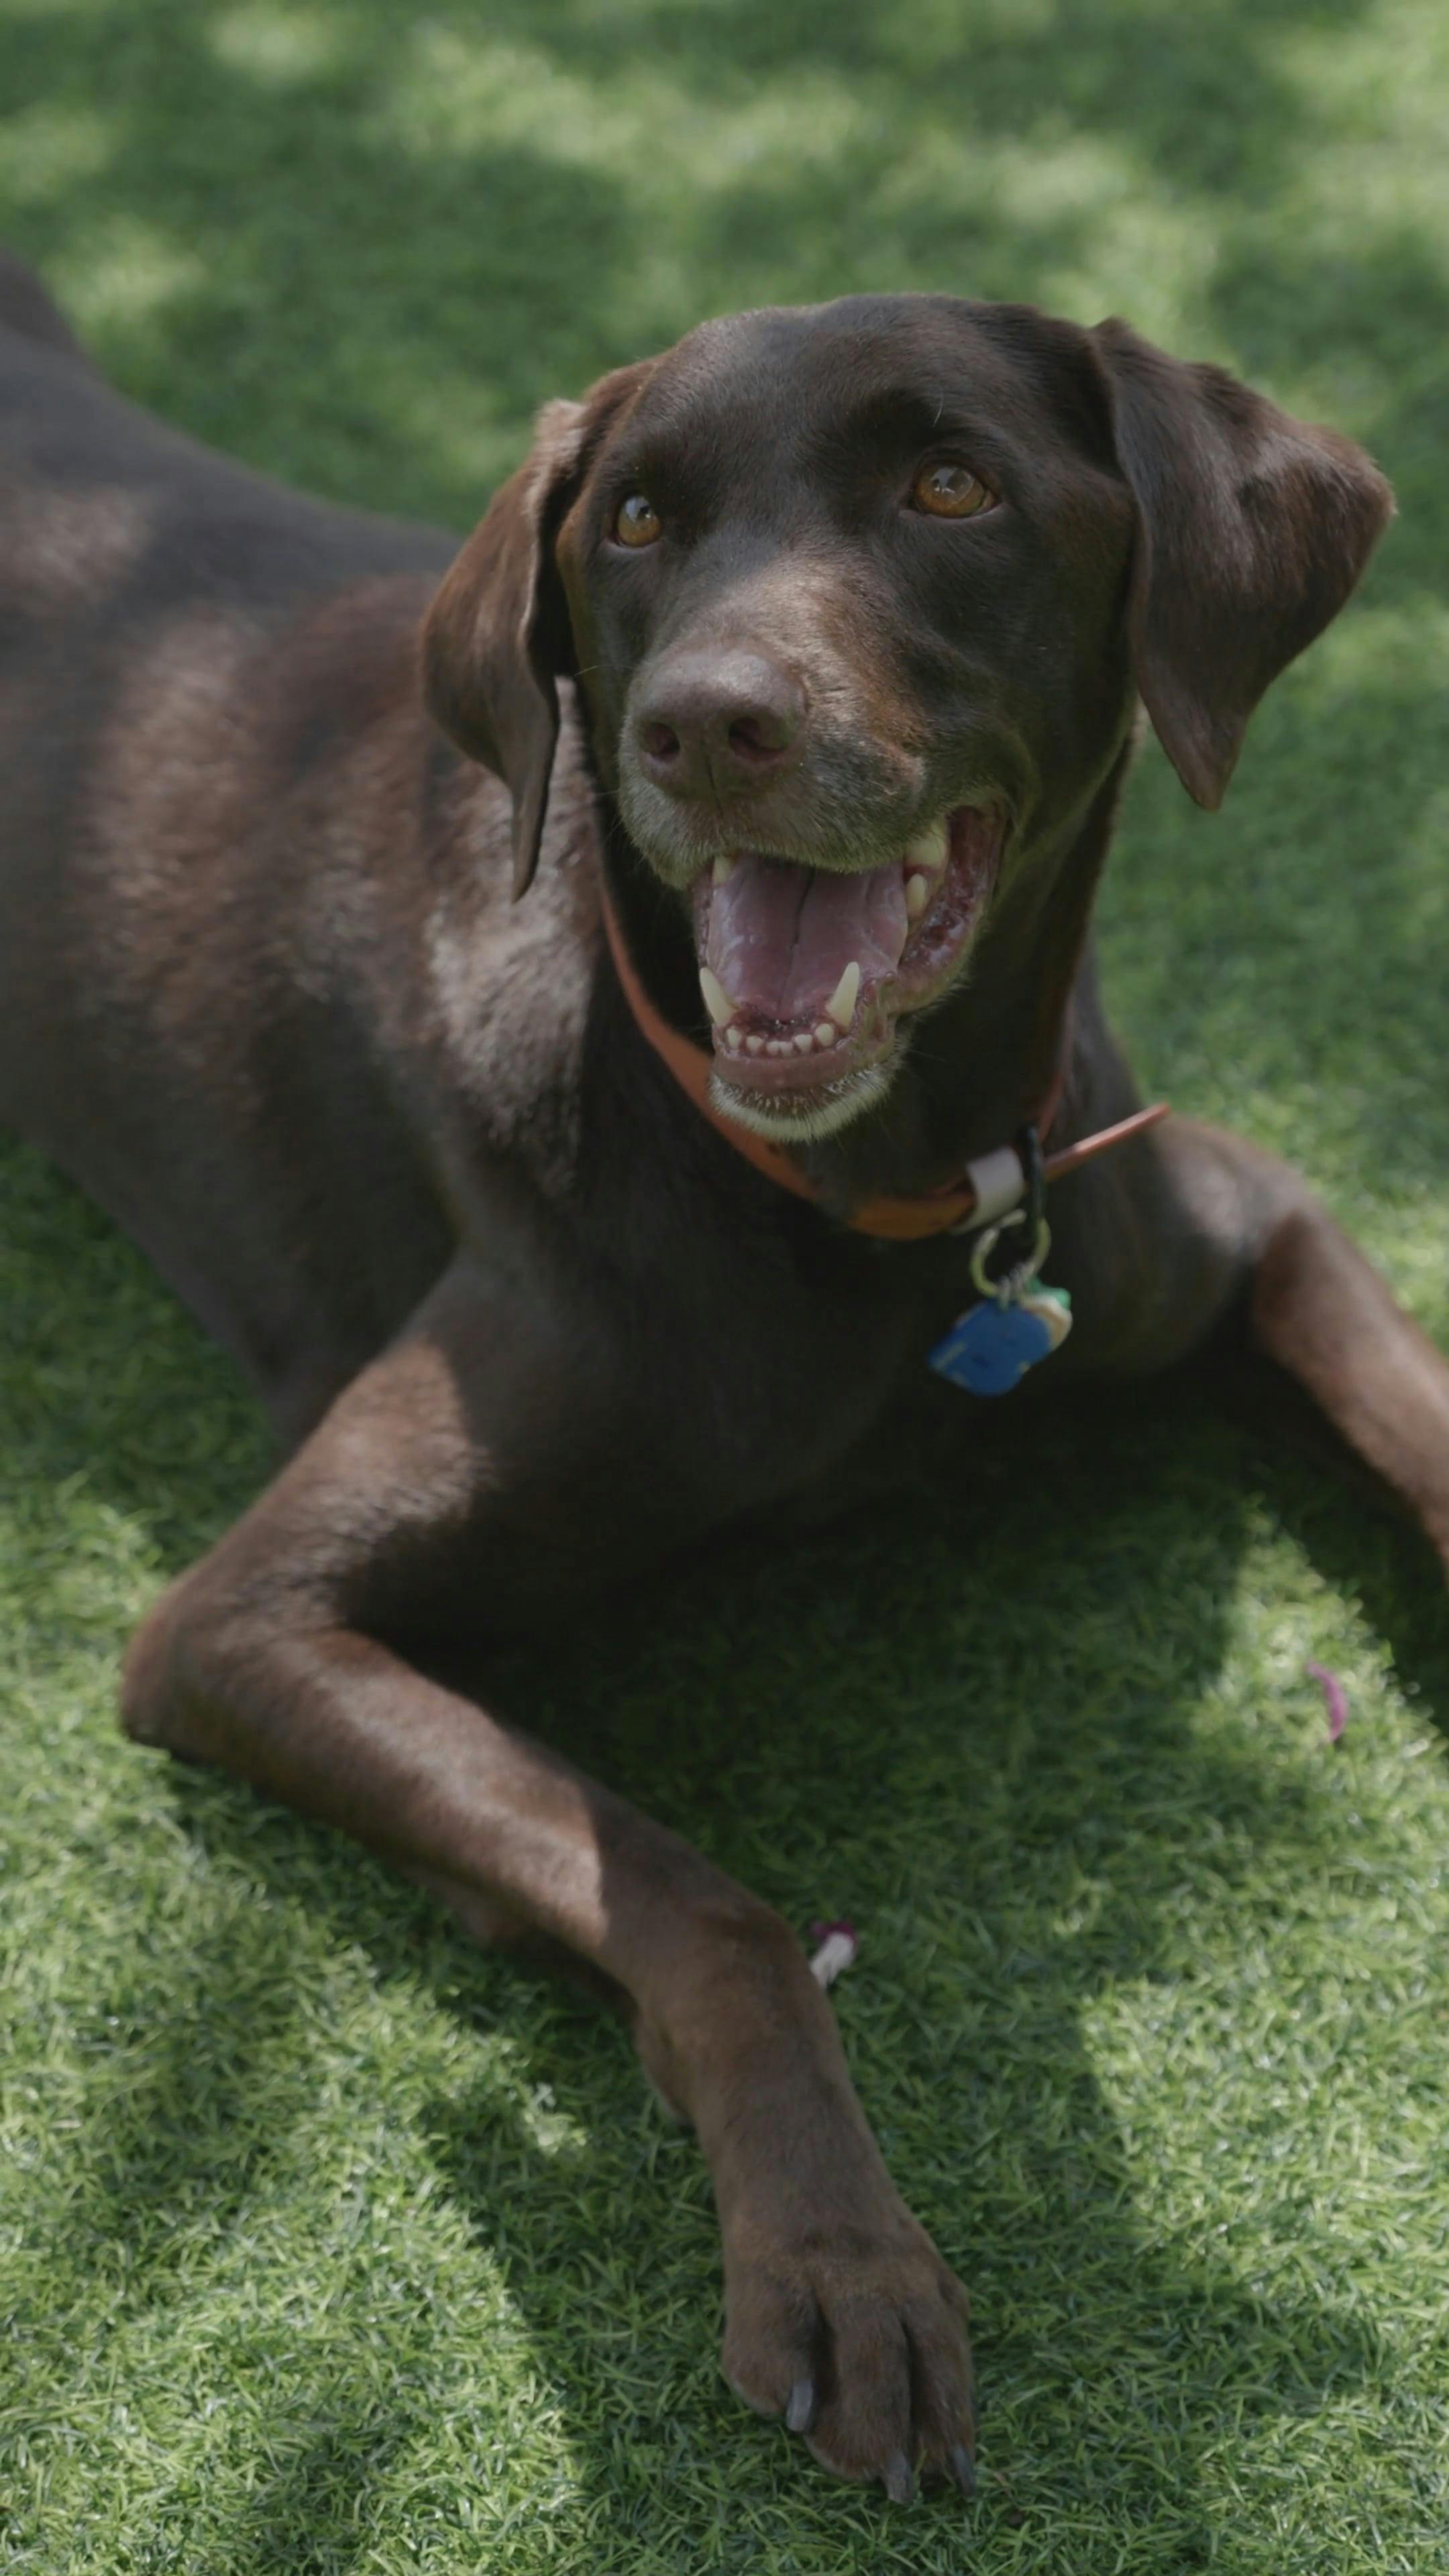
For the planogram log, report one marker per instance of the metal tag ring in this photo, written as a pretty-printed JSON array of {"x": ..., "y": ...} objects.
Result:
[{"x": 1015, "y": 1279}]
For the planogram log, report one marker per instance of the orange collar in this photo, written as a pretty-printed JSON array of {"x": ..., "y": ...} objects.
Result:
[{"x": 946, "y": 1210}]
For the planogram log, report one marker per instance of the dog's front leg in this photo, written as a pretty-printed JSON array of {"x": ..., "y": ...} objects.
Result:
[
  {"x": 1248, "y": 1233},
  {"x": 1323, "y": 1313},
  {"x": 450, "y": 1462}
]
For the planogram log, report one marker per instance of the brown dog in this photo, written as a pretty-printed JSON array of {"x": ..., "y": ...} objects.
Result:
[{"x": 559, "y": 1235}]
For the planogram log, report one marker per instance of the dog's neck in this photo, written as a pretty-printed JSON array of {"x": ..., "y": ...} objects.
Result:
[{"x": 976, "y": 1069}]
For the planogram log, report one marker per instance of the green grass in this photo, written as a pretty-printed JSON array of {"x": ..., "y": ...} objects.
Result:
[{"x": 328, "y": 2243}]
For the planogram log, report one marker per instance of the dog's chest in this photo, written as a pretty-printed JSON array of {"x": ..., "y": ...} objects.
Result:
[{"x": 766, "y": 1366}]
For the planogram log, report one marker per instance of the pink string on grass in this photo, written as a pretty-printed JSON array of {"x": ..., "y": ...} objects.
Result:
[{"x": 1335, "y": 1698}]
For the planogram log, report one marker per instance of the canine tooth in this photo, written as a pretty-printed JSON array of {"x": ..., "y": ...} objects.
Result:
[
  {"x": 928, "y": 849},
  {"x": 724, "y": 867},
  {"x": 805, "y": 1042},
  {"x": 841, "y": 1005},
  {"x": 716, "y": 1000},
  {"x": 734, "y": 1039},
  {"x": 826, "y": 1033},
  {"x": 755, "y": 1044},
  {"x": 918, "y": 895}
]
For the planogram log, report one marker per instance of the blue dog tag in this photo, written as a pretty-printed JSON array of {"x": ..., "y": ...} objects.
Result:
[{"x": 989, "y": 1349}]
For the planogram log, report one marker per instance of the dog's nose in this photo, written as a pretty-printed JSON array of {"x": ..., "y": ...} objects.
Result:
[{"x": 716, "y": 724}]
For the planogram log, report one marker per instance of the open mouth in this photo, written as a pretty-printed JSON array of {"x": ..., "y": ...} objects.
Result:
[{"x": 805, "y": 971}]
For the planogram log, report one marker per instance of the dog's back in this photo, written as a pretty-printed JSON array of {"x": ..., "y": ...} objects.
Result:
[{"x": 197, "y": 668}]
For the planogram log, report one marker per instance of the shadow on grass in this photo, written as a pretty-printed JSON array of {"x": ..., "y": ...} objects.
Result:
[{"x": 1031, "y": 1739}]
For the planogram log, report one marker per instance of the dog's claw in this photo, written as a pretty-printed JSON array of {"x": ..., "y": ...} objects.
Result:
[
  {"x": 900, "y": 2484},
  {"x": 963, "y": 2469},
  {"x": 800, "y": 2413}
]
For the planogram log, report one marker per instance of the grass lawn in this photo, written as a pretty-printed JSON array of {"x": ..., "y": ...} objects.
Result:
[{"x": 327, "y": 2243}]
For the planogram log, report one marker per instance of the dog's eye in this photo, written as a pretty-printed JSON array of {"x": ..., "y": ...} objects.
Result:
[
  {"x": 637, "y": 522},
  {"x": 951, "y": 492}
]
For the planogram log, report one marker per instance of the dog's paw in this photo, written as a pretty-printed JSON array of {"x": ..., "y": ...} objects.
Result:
[{"x": 854, "y": 2330}]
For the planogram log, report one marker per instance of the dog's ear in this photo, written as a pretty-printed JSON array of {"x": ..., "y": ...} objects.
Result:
[
  {"x": 497, "y": 637},
  {"x": 1252, "y": 529}
]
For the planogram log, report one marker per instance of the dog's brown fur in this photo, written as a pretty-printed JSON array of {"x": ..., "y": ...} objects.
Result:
[{"x": 525, "y": 1322}]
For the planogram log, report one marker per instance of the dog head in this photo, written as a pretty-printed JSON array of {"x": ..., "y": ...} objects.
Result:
[{"x": 860, "y": 599}]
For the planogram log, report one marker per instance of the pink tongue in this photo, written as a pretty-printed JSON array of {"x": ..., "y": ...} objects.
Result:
[{"x": 781, "y": 936}]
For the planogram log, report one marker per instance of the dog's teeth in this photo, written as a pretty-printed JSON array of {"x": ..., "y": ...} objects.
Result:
[
  {"x": 841, "y": 1005},
  {"x": 734, "y": 1040},
  {"x": 805, "y": 1042},
  {"x": 755, "y": 1044},
  {"x": 918, "y": 895},
  {"x": 716, "y": 1000},
  {"x": 826, "y": 1033},
  {"x": 725, "y": 867},
  {"x": 778, "y": 1046},
  {"x": 928, "y": 850}
]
